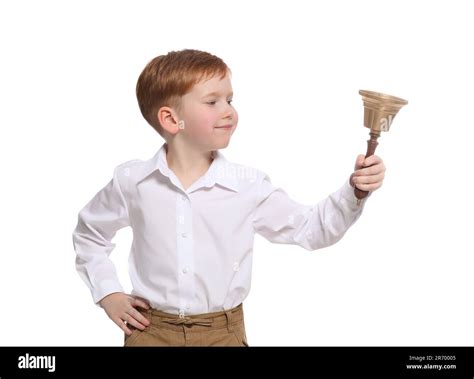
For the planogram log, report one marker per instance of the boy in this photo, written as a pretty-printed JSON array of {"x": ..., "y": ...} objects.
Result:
[{"x": 194, "y": 214}]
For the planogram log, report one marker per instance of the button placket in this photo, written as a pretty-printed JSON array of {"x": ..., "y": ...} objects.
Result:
[{"x": 185, "y": 252}]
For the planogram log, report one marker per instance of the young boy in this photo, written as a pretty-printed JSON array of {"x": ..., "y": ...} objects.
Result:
[{"x": 194, "y": 214}]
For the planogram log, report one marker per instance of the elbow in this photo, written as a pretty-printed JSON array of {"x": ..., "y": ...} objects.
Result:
[{"x": 324, "y": 236}]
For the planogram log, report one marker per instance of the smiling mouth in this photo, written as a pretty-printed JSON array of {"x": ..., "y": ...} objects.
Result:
[{"x": 224, "y": 127}]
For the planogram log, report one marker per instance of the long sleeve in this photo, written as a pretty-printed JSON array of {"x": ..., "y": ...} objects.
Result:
[
  {"x": 280, "y": 219},
  {"x": 98, "y": 223}
]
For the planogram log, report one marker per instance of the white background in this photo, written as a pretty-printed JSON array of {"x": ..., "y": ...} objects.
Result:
[{"x": 402, "y": 275}]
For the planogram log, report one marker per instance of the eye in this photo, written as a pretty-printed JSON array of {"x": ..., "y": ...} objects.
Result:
[{"x": 214, "y": 102}]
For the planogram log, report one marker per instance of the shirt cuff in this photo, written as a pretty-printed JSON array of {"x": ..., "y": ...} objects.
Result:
[
  {"x": 347, "y": 192},
  {"x": 106, "y": 287}
]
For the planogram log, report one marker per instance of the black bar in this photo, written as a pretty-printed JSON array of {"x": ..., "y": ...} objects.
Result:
[{"x": 134, "y": 362}]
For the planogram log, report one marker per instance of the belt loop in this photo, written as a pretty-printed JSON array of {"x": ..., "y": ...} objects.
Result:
[{"x": 228, "y": 315}]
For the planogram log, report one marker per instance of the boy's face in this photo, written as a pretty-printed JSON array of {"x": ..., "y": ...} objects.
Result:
[{"x": 210, "y": 119}]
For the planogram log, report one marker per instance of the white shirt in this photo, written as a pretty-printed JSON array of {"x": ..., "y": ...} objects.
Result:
[{"x": 192, "y": 249}]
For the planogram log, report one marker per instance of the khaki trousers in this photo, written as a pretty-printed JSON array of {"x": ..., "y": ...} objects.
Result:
[{"x": 224, "y": 328}]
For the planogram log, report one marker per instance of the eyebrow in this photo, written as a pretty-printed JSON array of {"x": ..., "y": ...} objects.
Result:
[{"x": 216, "y": 94}]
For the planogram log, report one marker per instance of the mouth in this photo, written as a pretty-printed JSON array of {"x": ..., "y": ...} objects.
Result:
[{"x": 224, "y": 127}]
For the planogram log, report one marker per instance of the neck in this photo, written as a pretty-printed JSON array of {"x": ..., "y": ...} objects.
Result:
[{"x": 187, "y": 161}]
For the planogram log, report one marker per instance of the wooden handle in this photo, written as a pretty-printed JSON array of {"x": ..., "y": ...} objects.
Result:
[{"x": 371, "y": 146}]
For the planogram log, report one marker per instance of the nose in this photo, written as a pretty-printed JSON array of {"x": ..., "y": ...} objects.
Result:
[{"x": 229, "y": 112}]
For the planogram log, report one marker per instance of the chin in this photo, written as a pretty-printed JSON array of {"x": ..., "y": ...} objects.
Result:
[
  {"x": 225, "y": 144},
  {"x": 221, "y": 144}
]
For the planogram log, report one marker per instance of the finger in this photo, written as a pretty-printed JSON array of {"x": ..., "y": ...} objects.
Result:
[
  {"x": 123, "y": 325},
  {"x": 133, "y": 316},
  {"x": 359, "y": 161},
  {"x": 138, "y": 302},
  {"x": 372, "y": 170},
  {"x": 129, "y": 319},
  {"x": 369, "y": 179},
  {"x": 368, "y": 183},
  {"x": 137, "y": 319},
  {"x": 369, "y": 187},
  {"x": 136, "y": 324},
  {"x": 372, "y": 160},
  {"x": 141, "y": 303}
]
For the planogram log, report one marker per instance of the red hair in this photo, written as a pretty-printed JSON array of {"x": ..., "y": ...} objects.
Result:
[{"x": 166, "y": 78}]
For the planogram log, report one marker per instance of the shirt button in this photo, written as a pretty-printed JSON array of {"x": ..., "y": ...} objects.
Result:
[
  {"x": 185, "y": 270},
  {"x": 184, "y": 235},
  {"x": 183, "y": 198}
]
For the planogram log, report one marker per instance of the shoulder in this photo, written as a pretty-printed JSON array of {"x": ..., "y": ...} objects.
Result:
[
  {"x": 132, "y": 171},
  {"x": 125, "y": 168}
]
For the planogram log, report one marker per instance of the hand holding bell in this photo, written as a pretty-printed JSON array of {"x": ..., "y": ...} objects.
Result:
[{"x": 379, "y": 112}]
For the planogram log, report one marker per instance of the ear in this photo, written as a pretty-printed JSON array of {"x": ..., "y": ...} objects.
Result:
[{"x": 168, "y": 118}]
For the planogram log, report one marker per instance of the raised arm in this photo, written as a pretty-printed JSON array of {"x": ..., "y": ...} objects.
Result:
[{"x": 281, "y": 219}]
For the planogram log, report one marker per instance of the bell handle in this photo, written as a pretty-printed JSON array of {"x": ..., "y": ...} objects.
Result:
[{"x": 371, "y": 146}]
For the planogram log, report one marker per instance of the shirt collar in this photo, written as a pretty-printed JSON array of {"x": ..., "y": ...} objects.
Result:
[{"x": 218, "y": 171}]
